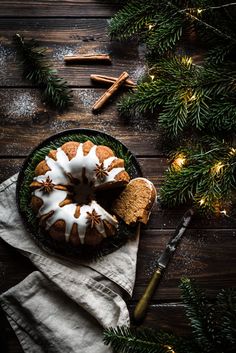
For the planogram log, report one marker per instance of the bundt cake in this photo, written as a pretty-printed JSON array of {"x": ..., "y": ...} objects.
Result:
[
  {"x": 135, "y": 202},
  {"x": 63, "y": 192}
]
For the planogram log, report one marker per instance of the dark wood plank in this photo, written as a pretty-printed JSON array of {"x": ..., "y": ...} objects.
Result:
[
  {"x": 54, "y": 8},
  {"x": 64, "y": 37},
  {"x": 76, "y": 75},
  {"x": 24, "y": 123},
  {"x": 203, "y": 255},
  {"x": 206, "y": 255},
  {"x": 169, "y": 316},
  {"x": 71, "y": 31}
]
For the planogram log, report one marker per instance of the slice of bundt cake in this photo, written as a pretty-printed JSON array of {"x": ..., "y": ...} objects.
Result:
[{"x": 135, "y": 202}]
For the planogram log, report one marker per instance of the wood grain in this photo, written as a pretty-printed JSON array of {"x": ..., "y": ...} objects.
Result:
[
  {"x": 53, "y": 8},
  {"x": 64, "y": 37},
  {"x": 207, "y": 251},
  {"x": 208, "y": 255},
  {"x": 24, "y": 123},
  {"x": 169, "y": 316}
]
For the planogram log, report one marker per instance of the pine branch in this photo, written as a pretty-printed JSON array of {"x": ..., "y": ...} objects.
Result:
[
  {"x": 132, "y": 340},
  {"x": 184, "y": 95},
  {"x": 226, "y": 310},
  {"x": 205, "y": 176},
  {"x": 201, "y": 315},
  {"x": 213, "y": 327},
  {"x": 55, "y": 91},
  {"x": 131, "y": 19},
  {"x": 165, "y": 35}
]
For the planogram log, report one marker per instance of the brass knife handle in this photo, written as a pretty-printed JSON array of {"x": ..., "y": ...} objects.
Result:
[{"x": 141, "y": 307}]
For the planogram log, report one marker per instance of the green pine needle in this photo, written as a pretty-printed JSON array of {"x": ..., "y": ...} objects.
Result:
[
  {"x": 55, "y": 91},
  {"x": 184, "y": 96},
  {"x": 213, "y": 327},
  {"x": 131, "y": 340},
  {"x": 207, "y": 177}
]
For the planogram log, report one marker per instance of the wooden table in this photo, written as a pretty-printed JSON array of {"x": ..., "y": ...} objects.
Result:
[{"x": 207, "y": 252}]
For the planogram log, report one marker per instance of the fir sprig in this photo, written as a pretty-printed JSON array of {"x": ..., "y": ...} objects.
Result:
[
  {"x": 213, "y": 327},
  {"x": 162, "y": 24},
  {"x": 55, "y": 91},
  {"x": 183, "y": 95},
  {"x": 134, "y": 340},
  {"x": 204, "y": 175}
]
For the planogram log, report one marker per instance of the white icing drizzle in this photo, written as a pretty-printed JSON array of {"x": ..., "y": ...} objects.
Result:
[
  {"x": 50, "y": 200},
  {"x": 67, "y": 212},
  {"x": 62, "y": 167},
  {"x": 58, "y": 173}
]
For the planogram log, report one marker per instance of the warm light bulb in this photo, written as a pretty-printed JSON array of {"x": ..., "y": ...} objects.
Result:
[
  {"x": 193, "y": 97},
  {"x": 179, "y": 161},
  {"x": 217, "y": 167},
  {"x": 150, "y": 26},
  {"x": 199, "y": 11},
  {"x": 232, "y": 151},
  {"x": 170, "y": 349},
  {"x": 152, "y": 77},
  {"x": 202, "y": 201},
  {"x": 187, "y": 60},
  {"x": 224, "y": 212}
]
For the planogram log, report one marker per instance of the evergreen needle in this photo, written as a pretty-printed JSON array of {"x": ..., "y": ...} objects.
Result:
[
  {"x": 55, "y": 91},
  {"x": 213, "y": 327}
]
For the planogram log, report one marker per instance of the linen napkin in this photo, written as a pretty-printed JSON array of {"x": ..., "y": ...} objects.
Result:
[{"x": 64, "y": 306}]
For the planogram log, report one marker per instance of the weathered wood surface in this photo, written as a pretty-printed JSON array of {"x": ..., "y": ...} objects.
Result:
[
  {"x": 54, "y": 8},
  {"x": 63, "y": 37},
  {"x": 207, "y": 252}
]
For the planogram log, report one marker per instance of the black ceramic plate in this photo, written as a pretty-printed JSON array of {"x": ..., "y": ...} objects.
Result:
[{"x": 23, "y": 192}]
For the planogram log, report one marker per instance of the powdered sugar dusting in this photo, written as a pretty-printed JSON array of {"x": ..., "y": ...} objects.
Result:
[
  {"x": 59, "y": 125},
  {"x": 187, "y": 259},
  {"x": 7, "y": 56},
  {"x": 60, "y": 51},
  {"x": 21, "y": 105},
  {"x": 138, "y": 72},
  {"x": 88, "y": 97}
]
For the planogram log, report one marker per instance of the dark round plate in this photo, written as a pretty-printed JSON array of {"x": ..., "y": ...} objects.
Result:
[{"x": 23, "y": 192}]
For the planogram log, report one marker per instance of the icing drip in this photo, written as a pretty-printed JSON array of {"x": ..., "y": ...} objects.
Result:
[
  {"x": 67, "y": 212},
  {"x": 56, "y": 173},
  {"x": 60, "y": 173},
  {"x": 62, "y": 167},
  {"x": 50, "y": 201}
]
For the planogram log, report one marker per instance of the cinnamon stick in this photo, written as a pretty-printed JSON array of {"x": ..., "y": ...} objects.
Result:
[
  {"x": 111, "y": 80},
  {"x": 111, "y": 90},
  {"x": 98, "y": 58}
]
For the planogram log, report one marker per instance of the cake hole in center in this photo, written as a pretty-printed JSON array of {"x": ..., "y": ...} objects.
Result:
[{"x": 83, "y": 193}]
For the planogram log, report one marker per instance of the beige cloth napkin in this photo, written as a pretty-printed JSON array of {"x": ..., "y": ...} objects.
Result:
[{"x": 65, "y": 305}]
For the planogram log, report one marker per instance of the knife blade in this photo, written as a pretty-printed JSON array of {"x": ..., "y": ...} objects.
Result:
[{"x": 162, "y": 262}]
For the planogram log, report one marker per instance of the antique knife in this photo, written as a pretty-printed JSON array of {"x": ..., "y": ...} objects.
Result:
[{"x": 141, "y": 307}]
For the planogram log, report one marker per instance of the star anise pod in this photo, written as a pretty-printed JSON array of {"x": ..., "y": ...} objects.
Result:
[
  {"x": 93, "y": 218},
  {"x": 100, "y": 171},
  {"x": 47, "y": 185}
]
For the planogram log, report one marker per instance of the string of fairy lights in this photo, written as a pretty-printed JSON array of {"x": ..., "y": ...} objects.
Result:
[{"x": 179, "y": 162}]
